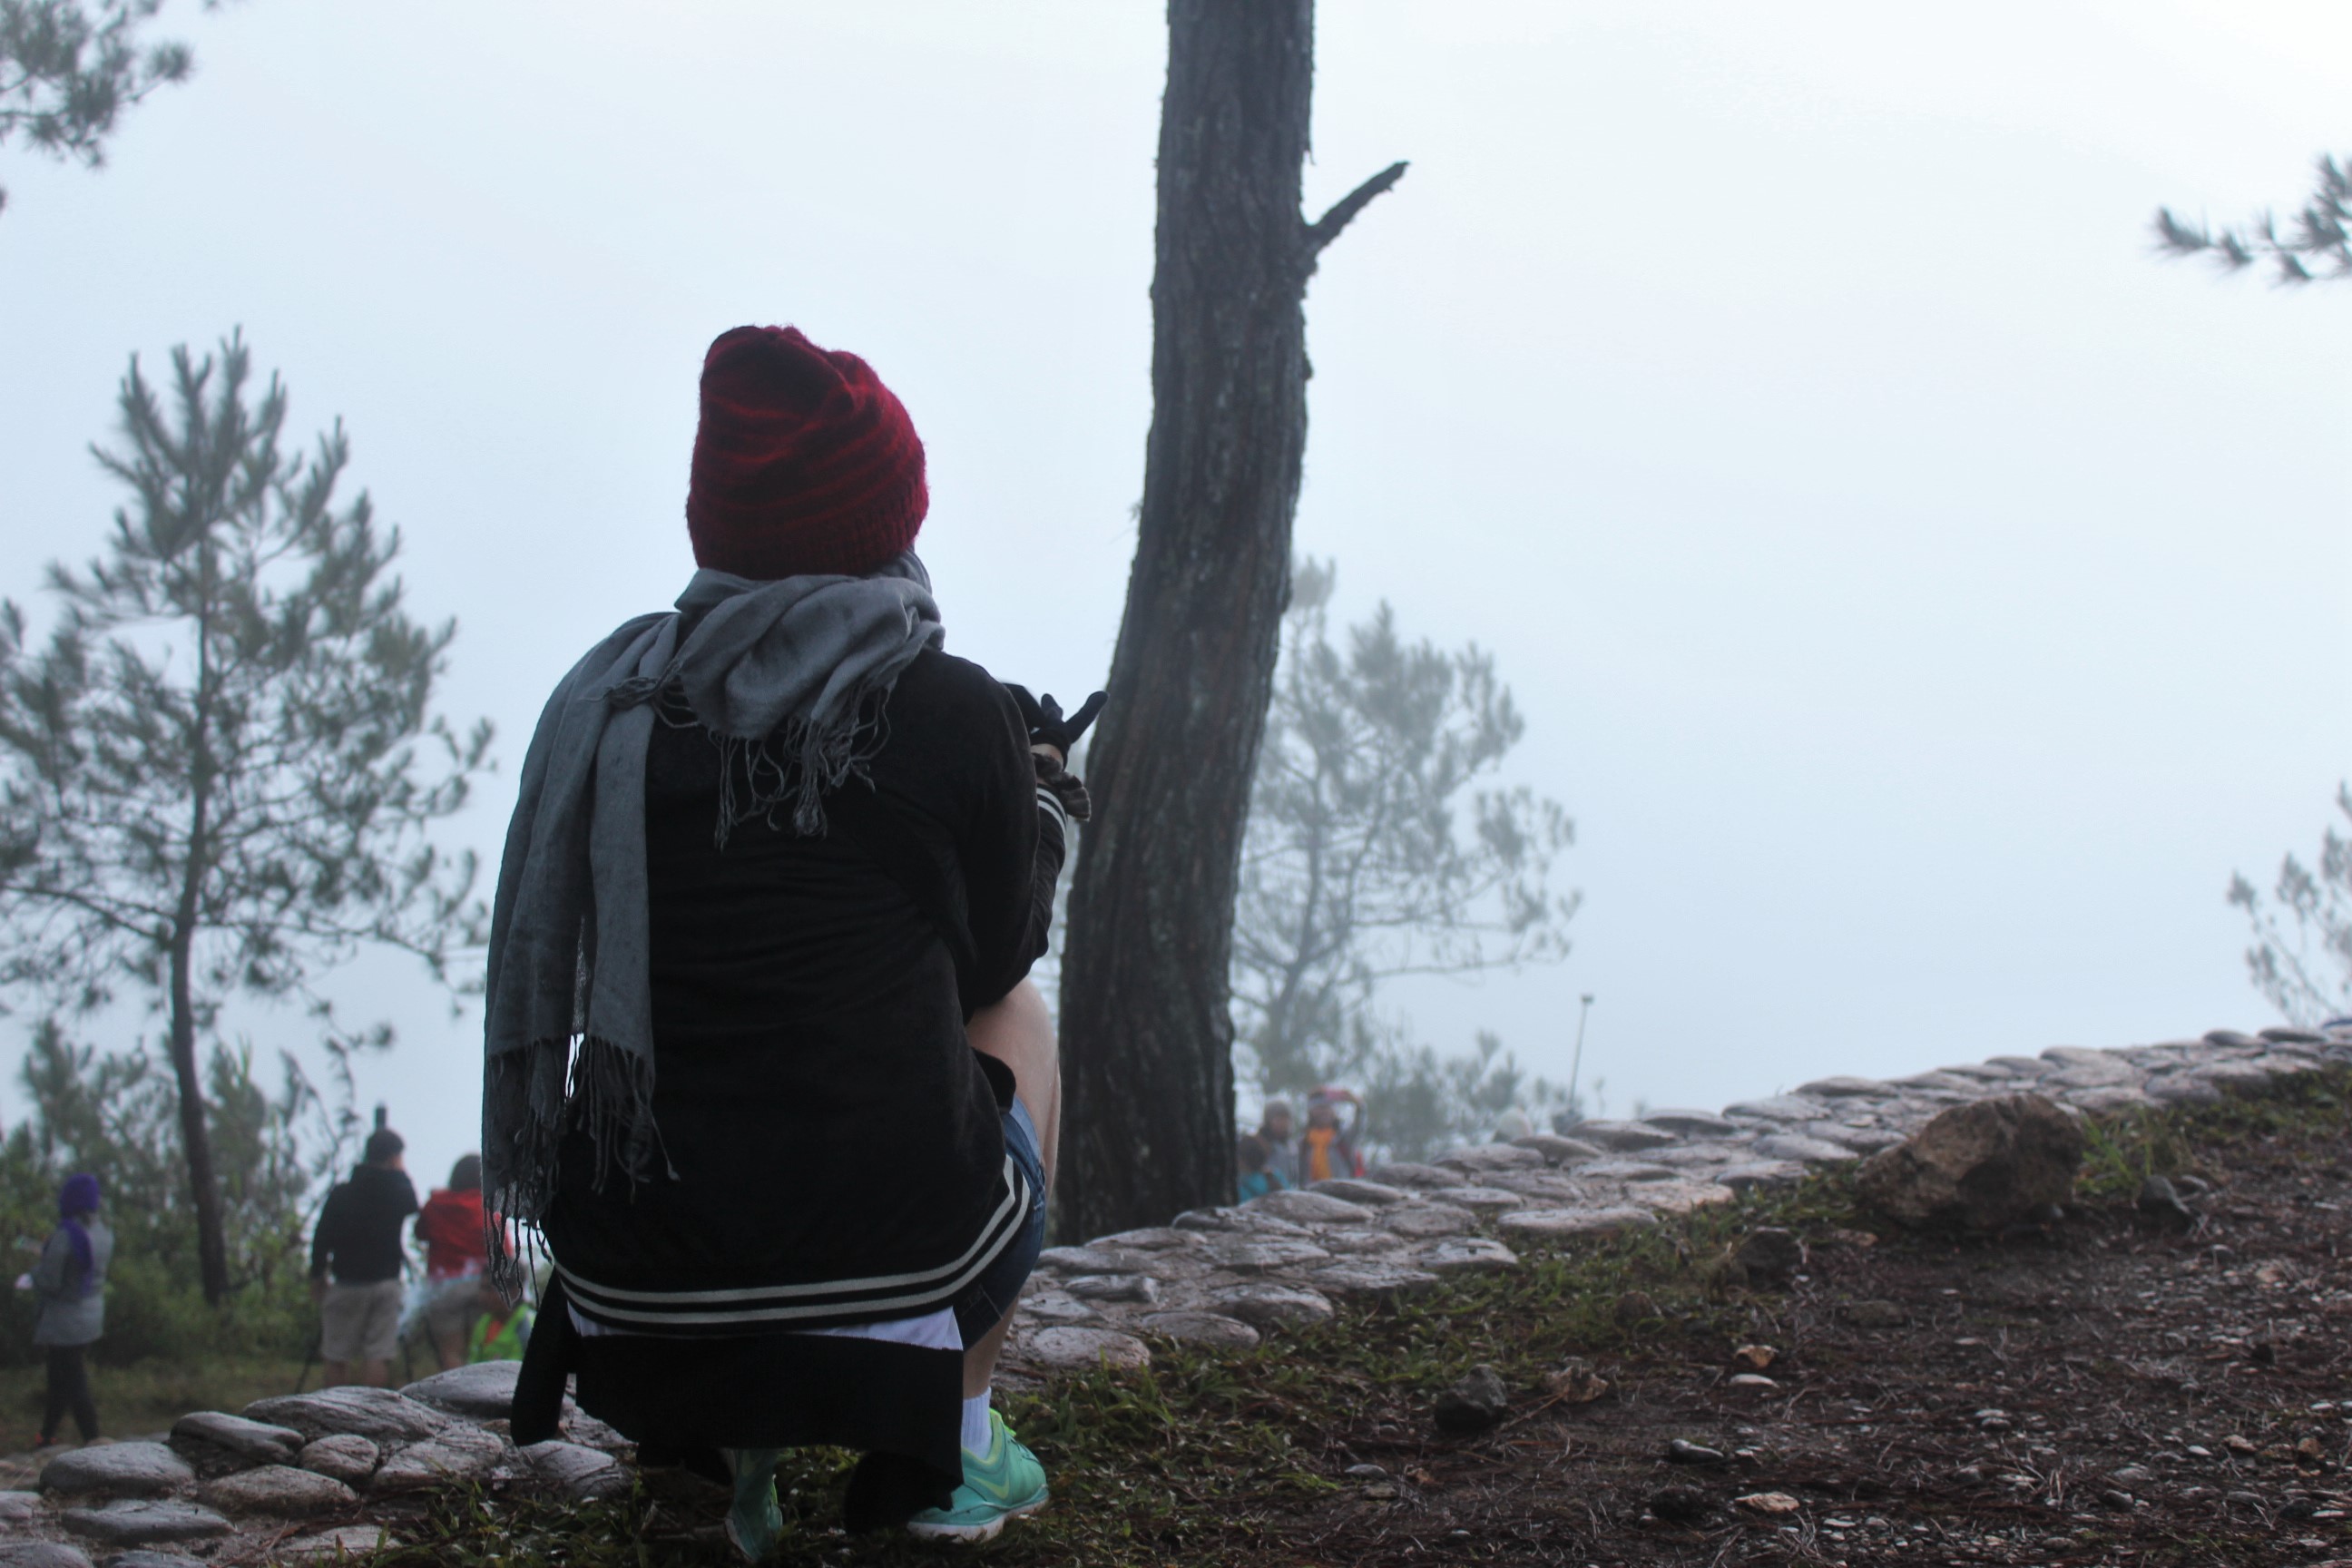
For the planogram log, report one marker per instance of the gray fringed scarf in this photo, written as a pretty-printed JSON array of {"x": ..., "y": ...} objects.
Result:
[{"x": 791, "y": 676}]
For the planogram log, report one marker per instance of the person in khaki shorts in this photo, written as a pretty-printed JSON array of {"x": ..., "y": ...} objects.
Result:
[{"x": 358, "y": 1241}]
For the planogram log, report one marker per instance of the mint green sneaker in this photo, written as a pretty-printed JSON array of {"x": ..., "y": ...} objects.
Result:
[
  {"x": 755, "y": 1522},
  {"x": 1005, "y": 1483}
]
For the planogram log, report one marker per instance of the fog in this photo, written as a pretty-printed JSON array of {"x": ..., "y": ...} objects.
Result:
[{"x": 1923, "y": 596}]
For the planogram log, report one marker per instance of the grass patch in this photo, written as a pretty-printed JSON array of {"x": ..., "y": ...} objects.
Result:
[{"x": 144, "y": 1397}]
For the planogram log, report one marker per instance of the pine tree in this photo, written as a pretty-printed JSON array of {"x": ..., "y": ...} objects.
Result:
[
  {"x": 1372, "y": 854},
  {"x": 68, "y": 69},
  {"x": 214, "y": 778}
]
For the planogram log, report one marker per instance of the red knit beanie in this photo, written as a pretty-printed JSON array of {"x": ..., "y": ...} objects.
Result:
[{"x": 804, "y": 462}]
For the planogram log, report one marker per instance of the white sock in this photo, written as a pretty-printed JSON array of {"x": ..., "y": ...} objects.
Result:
[{"x": 975, "y": 1425}]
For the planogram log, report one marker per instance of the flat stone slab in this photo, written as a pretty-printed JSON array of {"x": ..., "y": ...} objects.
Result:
[
  {"x": 1370, "y": 1280},
  {"x": 145, "y": 1522},
  {"x": 19, "y": 1508},
  {"x": 1485, "y": 1200},
  {"x": 1352, "y": 1243},
  {"x": 346, "y": 1455},
  {"x": 1692, "y": 1124},
  {"x": 1138, "y": 1288},
  {"x": 119, "y": 1469},
  {"x": 1058, "y": 1306},
  {"x": 56, "y": 1554},
  {"x": 1558, "y": 1150},
  {"x": 1263, "y": 1257},
  {"x": 1152, "y": 1239},
  {"x": 1310, "y": 1208},
  {"x": 1842, "y": 1086},
  {"x": 1423, "y": 1220},
  {"x": 1094, "y": 1259},
  {"x": 580, "y": 1473},
  {"x": 1357, "y": 1190},
  {"x": 1627, "y": 1137},
  {"x": 483, "y": 1390},
  {"x": 209, "y": 1437},
  {"x": 457, "y": 1454},
  {"x": 2093, "y": 1075},
  {"x": 1202, "y": 1331},
  {"x": 282, "y": 1490},
  {"x": 377, "y": 1412},
  {"x": 1466, "y": 1255},
  {"x": 1555, "y": 1224},
  {"x": 1083, "y": 1350},
  {"x": 1412, "y": 1173},
  {"x": 1626, "y": 1168},
  {"x": 1479, "y": 1159},
  {"x": 1273, "y": 1306},
  {"x": 1778, "y": 1108},
  {"x": 327, "y": 1546}
]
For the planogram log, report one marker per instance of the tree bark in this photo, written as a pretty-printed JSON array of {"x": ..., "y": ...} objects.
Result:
[
  {"x": 195, "y": 1137},
  {"x": 1146, "y": 1022}
]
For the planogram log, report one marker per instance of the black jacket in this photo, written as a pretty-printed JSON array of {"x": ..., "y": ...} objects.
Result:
[
  {"x": 824, "y": 1120},
  {"x": 359, "y": 1229},
  {"x": 833, "y": 1146}
]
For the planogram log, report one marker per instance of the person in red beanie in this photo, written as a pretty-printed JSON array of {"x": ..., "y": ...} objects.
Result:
[{"x": 765, "y": 1072}]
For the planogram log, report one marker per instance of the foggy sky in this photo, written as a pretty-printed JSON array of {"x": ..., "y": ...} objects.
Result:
[{"x": 1923, "y": 597}]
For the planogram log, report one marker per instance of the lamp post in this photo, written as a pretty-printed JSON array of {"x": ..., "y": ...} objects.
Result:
[{"x": 1576, "y": 1062}]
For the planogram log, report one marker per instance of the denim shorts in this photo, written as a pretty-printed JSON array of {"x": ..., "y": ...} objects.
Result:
[{"x": 987, "y": 1299}]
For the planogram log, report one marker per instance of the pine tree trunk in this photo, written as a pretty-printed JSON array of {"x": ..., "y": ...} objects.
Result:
[
  {"x": 1146, "y": 1022},
  {"x": 195, "y": 1136}
]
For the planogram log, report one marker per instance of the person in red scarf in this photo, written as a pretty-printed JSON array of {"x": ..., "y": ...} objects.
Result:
[{"x": 450, "y": 1226}]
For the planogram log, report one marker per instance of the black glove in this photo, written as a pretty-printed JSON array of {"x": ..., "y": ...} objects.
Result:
[{"x": 1046, "y": 725}]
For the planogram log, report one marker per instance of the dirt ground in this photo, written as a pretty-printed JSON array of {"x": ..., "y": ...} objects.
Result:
[{"x": 2103, "y": 1391}]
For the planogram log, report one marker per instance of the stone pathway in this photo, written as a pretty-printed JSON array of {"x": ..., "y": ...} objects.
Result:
[
  {"x": 305, "y": 1477},
  {"x": 1220, "y": 1277},
  {"x": 313, "y": 1477}
]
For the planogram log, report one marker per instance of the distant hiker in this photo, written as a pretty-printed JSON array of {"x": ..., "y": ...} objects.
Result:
[
  {"x": 1258, "y": 1176},
  {"x": 1325, "y": 1150},
  {"x": 359, "y": 1239},
  {"x": 457, "y": 1256},
  {"x": 71, "y": 1280},
  {"x": 1275, "y": 1129},
  {"x": 501, "y": 1333},
  {"x": 764, "y": 1070}
]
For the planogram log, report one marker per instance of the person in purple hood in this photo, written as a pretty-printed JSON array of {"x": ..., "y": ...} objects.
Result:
[{"x": 71, "y": 1280}]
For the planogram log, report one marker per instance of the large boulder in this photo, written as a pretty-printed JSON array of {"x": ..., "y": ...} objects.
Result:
[{"x": 1984, "y": 1165}]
